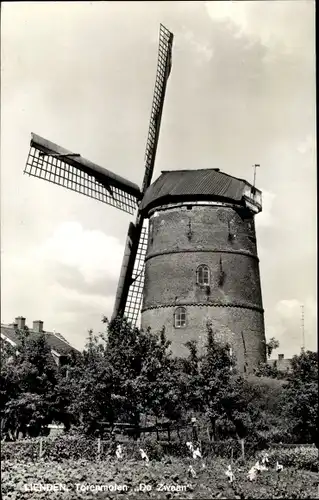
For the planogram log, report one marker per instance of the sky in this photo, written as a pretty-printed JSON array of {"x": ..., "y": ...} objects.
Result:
[{"x": 241, "y": 91}]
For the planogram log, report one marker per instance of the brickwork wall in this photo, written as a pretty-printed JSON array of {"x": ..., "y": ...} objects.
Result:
[
  {"x": 223, "y": 238},
  {"x": 242, "y": 328}
]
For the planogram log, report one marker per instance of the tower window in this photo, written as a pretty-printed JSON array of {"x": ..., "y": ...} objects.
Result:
[
  {"x": 180, "y": 317},
  {"x": 151, "y": 231},
  {"x": 203, "y": 275}
]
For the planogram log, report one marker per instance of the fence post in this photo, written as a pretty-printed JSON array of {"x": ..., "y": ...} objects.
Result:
[
  {"x": 242, "y": 448},
  {"x": 99, "y": 448}
]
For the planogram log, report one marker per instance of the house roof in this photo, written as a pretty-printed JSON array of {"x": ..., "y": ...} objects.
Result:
[
  {"x": 193, "y": 183},
  {"x": 55, "y": 342}
]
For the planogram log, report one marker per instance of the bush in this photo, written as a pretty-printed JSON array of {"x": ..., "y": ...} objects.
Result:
[
  {"x": 300, "y": 457},
  {"x": 76, "y": 447},
  {"x": 221, "y": 448},
  {"x": 79, "y": 447},
  {"x": 57, "y": 449},
  {"x": 65, "y": 448},
  {"x": 26, "y": 450}
]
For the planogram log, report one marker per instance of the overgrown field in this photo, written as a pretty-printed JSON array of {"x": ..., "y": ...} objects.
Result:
[{"x": 167, "y": 478}]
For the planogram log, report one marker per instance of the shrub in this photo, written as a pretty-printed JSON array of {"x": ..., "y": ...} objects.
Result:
[
  {"x": 300, "y": 457},
  {"x": 26, "y": 450},
  {"x": 57, "y": 449},
  {"x": 76, "y": 447}
]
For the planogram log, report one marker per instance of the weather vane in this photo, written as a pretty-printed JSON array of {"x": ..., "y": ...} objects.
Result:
[{"x": 255, "y": 168}]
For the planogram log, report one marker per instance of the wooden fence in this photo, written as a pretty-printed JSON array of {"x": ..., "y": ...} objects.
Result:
[
  {"x": 99, "y": 447},
  {"x": 166, "y": 428},
  {"x": 291, "y": 445}
]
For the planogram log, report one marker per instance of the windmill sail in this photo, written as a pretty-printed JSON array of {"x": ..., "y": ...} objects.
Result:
[
  {"x": 55, "y": 164},
  {"x": 135, "y": 294},
  {"x": 128, "y": 300},
  {"x": 164, "y": 64}
]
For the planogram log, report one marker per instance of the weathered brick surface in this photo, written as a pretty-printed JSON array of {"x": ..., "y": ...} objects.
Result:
[
  {"x": 233, "y": 325},
  {"x": 224, "y": 239}
]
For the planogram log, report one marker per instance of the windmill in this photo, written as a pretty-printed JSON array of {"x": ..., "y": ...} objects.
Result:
[{"x": 192, "y": 229}]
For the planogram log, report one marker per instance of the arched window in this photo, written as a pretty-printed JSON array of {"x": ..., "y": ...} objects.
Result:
[
  {"x": 203, "y": 275},
  {"x": 151, "y": 231},
  {"x": 180, "y": 317}
]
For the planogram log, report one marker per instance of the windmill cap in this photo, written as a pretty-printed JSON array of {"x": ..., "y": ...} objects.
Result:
[{"x": 187, "y": 185}]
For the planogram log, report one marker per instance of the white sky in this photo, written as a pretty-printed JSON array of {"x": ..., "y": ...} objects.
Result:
[{"x": 241, "y": 91}]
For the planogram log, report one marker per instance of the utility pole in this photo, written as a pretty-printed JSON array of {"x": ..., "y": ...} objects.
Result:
[{"x": 303, "y": 327}]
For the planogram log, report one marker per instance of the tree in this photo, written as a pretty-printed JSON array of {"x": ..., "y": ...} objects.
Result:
[
  {"x": 215, "y": 372},
  {"x": 123, "y": 375},
  {"x": 29, "y": 379},
  {"x": 271, "y": 346},
  {"x": 218, "y": 391},
  {"x": 88, "y": 387},
  {"x": 142, "y": 370},
  {"x": 271, "y": 371},
  {"x": 300, "y": 398},
  {"x": 190, "y": 380}
]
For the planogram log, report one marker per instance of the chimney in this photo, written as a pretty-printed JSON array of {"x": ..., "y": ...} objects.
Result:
[
  {"x": 38, "y": 326},
  {"x": 20, "y": 321},
  {"x": 280, "y": 356}
]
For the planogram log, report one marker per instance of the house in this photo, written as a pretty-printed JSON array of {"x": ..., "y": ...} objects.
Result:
[
  {"x": 282, "y": 364},
  {"x": 60, "y": 347}
]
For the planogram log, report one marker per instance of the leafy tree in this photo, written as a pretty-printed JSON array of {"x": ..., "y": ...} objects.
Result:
[
  {"x": 123, "y": 375},
  {"x": 215, "y": 372},
  {"x": 28, "y": 412},
  {"x": 190, "y": 380},
  {"x": 86, "y": 388},
  {"x": 218, "y": 391},
  {"x": 142, "y": 370},
  {"x": 271, "y": 371},
  {"x": 28, "y": 383},
  {"x": 300, "y": 398},
  {"x": 304, "y": 367},
  {"x": 271, "y": 346}
]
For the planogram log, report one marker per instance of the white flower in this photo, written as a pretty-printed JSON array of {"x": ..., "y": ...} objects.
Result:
[
  {"x": 144, "y": 456},
  {"x": 229, "y": 474},
  {"x": 191, "y": 471},
  {"x": 279, "y": 467},
  {"x": 197, "y": 454},
  {"x": 252, "y": 473},
  {"x": 263, "y": 467},
  {"x": 119, "y": 452},
  {"x": 190, "y": 446},
  {"x": 265, "y": 459}
]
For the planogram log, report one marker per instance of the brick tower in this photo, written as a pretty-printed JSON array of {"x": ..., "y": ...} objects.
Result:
[{"x": 201, "y": 264}]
